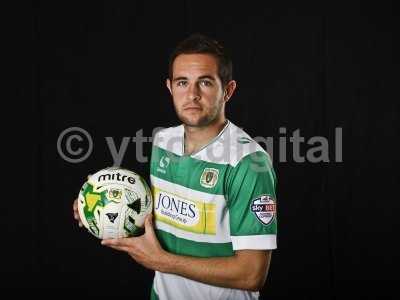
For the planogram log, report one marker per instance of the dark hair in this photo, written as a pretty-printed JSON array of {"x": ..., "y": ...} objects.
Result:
[{"x": 201, "y": 44}]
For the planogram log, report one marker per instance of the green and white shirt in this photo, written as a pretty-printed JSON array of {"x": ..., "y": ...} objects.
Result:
[{"x": 211, "y": 203}]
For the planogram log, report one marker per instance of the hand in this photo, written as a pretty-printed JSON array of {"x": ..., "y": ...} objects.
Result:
[
  {"x": 144, "y": 249},
  {"x": 76, "y": 213}
]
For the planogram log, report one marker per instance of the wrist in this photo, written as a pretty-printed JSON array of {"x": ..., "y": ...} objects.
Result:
[{"x": 167, "y": 262}]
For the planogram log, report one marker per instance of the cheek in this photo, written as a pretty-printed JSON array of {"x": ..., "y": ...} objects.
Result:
[
  {"x": 178, "y": 96},
  {"x": 213, "y": 100},
  {"x": 178, "y": 101},
  {"x": 215, "y": 94}
]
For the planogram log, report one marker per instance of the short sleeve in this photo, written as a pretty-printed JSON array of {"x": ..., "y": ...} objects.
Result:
[{"x": 251, "y": 197}]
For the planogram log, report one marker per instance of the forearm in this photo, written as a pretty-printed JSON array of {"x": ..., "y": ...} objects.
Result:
[{"x": 230, "y": 272}]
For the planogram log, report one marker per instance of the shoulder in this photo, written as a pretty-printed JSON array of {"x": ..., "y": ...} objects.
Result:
[
  {"x": 243, "y": 148},
  {"x": 251, "y": 168},
  {"x": 169, "y": 139},
  {"x": 230, "y": 147}
]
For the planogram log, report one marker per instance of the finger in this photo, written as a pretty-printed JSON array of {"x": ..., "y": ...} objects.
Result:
[
  {"x": 77, "y": 218},
  {"x": 148, "y": 224},
  {"x": 80, "y": 224},
  {"x": 119, "y": 248},
  {"x": 149, "y": 220},
  {"x": 119, "y": 242}
]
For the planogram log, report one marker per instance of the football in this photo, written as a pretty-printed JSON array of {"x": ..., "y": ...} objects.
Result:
[{"x": 114, "y": 203}]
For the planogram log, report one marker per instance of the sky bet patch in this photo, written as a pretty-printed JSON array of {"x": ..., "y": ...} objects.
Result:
[{"x": 264, "y": 208}]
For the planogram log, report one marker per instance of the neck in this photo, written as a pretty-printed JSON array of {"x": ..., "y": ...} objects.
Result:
[{"x": 198, "y": 137}]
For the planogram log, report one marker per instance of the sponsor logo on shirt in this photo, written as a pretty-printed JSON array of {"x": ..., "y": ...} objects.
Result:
[
  {"x": 209, "y": 177},
  {"x": 163, "y": 165},
  {"x": 186, "y": 214},
  {"x": 264, "y": 208}
]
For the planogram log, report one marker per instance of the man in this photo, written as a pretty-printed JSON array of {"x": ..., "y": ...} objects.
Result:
[{"x": 213, "y": 189}]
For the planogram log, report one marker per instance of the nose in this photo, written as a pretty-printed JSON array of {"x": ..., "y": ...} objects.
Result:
[{"x": 194, "y": 92}]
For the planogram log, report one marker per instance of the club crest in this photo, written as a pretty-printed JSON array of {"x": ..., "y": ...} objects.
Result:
[{"x": 209, "y": 177}]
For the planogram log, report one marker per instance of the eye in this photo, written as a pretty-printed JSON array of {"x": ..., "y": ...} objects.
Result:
[
  {"x": 181, "y": 83},
  {"x": 206, "y": 83}
]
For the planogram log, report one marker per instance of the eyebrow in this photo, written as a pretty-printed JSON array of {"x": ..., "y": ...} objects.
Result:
[{"x": 201, "y": 77}]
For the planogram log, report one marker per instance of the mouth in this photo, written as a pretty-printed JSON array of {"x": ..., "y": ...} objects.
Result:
[{"x": 192, "y": 108}]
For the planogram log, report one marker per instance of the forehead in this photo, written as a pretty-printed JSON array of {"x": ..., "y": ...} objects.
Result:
[{"x": 194, "y": 65}]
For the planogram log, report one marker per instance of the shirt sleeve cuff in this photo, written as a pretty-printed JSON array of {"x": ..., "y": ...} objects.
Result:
[{"x": 256, "y": 242}]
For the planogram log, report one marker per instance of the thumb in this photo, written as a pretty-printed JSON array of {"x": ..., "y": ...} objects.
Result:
[{"x": 148, "y": 223}]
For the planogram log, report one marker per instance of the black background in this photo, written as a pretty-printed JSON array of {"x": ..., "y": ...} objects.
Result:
[{"x": 101, "y": 66}]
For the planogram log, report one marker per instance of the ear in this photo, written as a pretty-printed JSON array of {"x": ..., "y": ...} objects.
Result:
[
  {"x": 229, "y": 90},
  {"x": 168, "y": 84}
]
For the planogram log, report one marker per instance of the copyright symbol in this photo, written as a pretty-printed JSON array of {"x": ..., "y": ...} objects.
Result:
[{"x": 72, "y": 143}]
